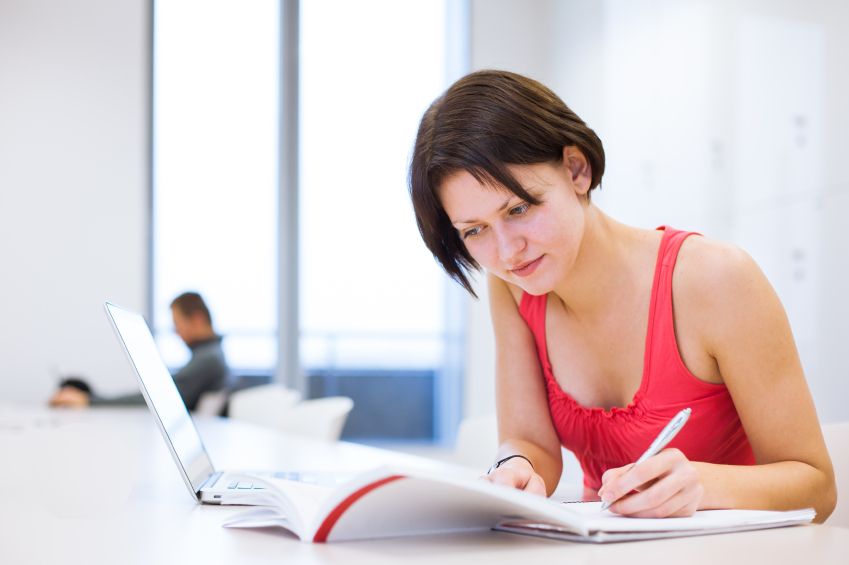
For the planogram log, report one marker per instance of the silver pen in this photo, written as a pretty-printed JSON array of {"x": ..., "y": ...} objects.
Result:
[{"x": 663, "y": 438}]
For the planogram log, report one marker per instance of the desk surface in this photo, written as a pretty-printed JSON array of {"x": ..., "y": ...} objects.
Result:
[{"x": 99, "y": 486}]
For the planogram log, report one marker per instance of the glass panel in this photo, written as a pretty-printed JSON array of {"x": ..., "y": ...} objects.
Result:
[
  {"x": 372, "y": 295},
  {"x": 216, "y": 68}
]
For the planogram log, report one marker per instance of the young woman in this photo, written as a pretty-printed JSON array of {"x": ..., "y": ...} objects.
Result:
[{"x": 604, "y": 331}]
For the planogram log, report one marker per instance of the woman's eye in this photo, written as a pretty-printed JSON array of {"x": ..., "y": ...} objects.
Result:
[
  {"x": 520, "y": 209},
  {"x": 471, "y": 232}
]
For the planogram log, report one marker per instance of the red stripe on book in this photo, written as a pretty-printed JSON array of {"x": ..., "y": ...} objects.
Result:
[{"x": 324, "y": 530}]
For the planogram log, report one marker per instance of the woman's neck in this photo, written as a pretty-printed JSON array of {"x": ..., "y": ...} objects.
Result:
[{"x": 610, "y": 266}]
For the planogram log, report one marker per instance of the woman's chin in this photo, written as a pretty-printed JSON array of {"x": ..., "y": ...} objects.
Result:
[
  {"x": 536, "y": 291},
  {"x": 534, "y": 286}
]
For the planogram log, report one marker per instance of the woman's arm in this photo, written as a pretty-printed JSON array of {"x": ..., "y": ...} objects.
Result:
[
  {"x": 745, "y": 330},
  {"x": 750, "y": 339},
  {"x": 524, "y": 422}
]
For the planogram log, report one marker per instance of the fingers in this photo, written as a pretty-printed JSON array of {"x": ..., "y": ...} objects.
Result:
[
  {"x": 666, "y": 484},
  {"x": 535, "y": 485},
  {"x": 521, "y": 478},
  {"x": 611, "y": 475},
  {"x": 673, "y": 495},
  {"x": 619, "y": 482}
]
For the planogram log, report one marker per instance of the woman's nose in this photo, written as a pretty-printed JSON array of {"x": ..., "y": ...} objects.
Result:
[{"x": 510, "y": 245}]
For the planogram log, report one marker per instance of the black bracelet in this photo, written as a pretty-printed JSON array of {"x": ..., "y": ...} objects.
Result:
[{"x": 508, "y": 458}]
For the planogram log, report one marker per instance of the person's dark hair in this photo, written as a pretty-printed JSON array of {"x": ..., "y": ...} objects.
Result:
[
  {"x": 190, "y": 304},
  {"x": 482, "y": 123},
  {"x": 76, "y": 382}
]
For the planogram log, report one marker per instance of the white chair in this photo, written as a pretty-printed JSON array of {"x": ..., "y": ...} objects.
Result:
[
  {"x": 477, "y": 443},
  {"x": 275, "y": 406},
  {"x": 318, "y": 418},
  {"x": 264, "y": 405},
  {"x": 211, "y": 403},
  {"x": 837, "y": 440}
]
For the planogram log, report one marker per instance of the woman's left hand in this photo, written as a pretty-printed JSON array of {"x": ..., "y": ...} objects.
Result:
[{"x": 667, "y": 484}]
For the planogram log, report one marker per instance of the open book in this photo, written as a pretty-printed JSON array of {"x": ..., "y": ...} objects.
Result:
[{"x": 387, "y": 502}]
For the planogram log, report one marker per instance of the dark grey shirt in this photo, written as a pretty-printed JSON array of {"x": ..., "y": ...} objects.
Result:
[{"x": 206, "y": 371}]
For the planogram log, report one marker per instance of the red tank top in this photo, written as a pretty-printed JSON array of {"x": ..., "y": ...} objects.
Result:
[{"x": 604, "y": 439}]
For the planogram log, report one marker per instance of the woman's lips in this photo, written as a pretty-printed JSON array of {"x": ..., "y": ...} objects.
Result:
[{"x": 528, "y": 268}]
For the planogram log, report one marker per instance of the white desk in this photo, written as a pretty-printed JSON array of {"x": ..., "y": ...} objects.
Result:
[{"x": 100, "y": 487}]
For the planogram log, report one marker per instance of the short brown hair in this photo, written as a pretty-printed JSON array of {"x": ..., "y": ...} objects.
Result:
[
  {"x": 190, "y": 304},
  {"x": 482, "y": 123}
]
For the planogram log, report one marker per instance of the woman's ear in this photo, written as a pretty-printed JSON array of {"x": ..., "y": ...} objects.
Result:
[{"x": 578, "y": 168}]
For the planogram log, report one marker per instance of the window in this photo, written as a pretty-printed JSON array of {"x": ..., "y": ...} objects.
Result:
[
  {"x": 215, "y": 152},
  {"x": 373, "y": 300}
]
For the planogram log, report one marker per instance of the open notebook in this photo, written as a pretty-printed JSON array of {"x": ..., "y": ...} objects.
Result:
[{"x": 390, "y": 502}]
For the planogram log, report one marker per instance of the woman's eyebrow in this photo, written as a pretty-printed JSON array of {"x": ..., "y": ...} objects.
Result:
[{"x": 500, "y": 209}]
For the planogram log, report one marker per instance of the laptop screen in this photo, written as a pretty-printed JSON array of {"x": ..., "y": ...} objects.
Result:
[{"x": 162, "y": 396}]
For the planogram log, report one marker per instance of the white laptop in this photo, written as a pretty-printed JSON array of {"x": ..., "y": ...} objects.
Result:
[{"x": 205, "y": 483}]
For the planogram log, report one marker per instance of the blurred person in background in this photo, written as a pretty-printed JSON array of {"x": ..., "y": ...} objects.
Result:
[{"x": 206, "y": 371}]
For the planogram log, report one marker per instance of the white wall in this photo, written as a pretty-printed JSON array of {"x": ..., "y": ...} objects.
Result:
[
  {"x": 73, "y": 170},
  {"x": 719, "y": 116},
  {"x": 73, "y": 188}
]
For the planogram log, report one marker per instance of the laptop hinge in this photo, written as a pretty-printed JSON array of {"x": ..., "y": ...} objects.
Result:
[{"x": 210, "y": 480}]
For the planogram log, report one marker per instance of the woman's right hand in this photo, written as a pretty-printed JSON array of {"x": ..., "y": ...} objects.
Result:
[{"x": 517, "y": 473}]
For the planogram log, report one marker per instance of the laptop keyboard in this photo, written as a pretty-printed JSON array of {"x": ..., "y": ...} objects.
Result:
[
  {"x": 243, "y": 485},
  {"x": 248, "y": 485}
]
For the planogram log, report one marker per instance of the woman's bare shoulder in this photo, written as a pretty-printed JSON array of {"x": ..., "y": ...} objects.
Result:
[
  {"x": 717, "y": 282},
  {"x": 713, "y": 268}
]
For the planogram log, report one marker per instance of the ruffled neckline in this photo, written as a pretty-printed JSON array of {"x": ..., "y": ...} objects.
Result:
[{"x": 636, "y": 407}]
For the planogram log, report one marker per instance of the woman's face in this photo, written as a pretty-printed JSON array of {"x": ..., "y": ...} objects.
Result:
[{"x": 533, "y": 246}]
